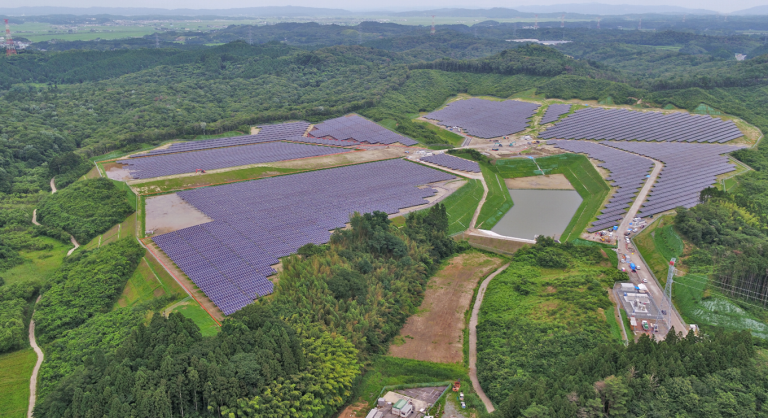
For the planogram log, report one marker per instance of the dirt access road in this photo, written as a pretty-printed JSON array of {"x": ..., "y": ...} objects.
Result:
[
  {"x": 436, "y": 332},
  {"x": 40, "y": 356},
  {"x": 473, "y": 340}
]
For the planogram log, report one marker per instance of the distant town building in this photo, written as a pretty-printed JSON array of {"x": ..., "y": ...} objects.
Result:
[{"x": 536, "y": 41}]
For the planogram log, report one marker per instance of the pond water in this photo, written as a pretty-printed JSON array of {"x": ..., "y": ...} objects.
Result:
[{"x": 538, "y": 212}]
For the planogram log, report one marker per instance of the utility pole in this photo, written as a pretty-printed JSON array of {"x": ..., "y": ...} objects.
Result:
[
  {"x": 598, "y": 23},
  {"x": 432, "y": 32},
  {"x": 9, "y": 48},
  {"x": 562, "y": 20},
  {"x": 536, "y": 25}
]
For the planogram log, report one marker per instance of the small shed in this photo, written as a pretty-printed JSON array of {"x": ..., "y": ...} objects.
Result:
[
  {"x": 375, "y": 413},
  {"x": 633, "y": 323},
  {"x": 400, "y": 404},
  {"x": 406, "y": 410},
  {"x": 381, "y": 403},
  {"x": 627, "y": 287}
]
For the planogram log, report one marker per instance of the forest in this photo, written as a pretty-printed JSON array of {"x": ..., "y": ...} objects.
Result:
[
  {"x": 296, "y": 354},
  {"x": 336, "y": 307}
]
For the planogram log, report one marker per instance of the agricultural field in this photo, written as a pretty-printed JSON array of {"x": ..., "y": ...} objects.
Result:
[
  {"x": 436, "y": 332},
  {"x": 16, "y": 370}
]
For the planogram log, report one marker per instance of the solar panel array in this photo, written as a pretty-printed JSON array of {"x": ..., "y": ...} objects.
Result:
[
  {"x": 554, "y": 112},
  {"x": 268, "y": 133},
  {"x": 628, "y": 173},
  {"x": 486, "y": 118},
  {"x": 257, "y": 222},
  {"x": 622, "y": 124},
  {"x": 454, "y": 163},
  {"x": 323, "y": 141},
  {"x": 688, "y": 169},
  {"x": 211, "y": 159},
  {"x": 359, "y": 129}
]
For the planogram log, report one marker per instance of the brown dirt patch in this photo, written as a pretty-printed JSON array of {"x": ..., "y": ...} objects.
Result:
[
  {"x": 167, "y": 213},
  {"x": 548, "y": 182},
  {"x": 436, "y": 332},
  {"x": 550, "y": 289},
  {"x": 117, "y": 171},
  {"x": 373, "y": 154},
  {"x": 496, "y": 245},
  {"x": 359, "y": 409}
]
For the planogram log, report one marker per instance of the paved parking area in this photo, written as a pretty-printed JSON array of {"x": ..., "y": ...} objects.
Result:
[{"x": 429, "y": 395}]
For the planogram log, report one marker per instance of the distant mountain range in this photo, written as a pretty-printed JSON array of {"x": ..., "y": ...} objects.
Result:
[
  {"x": 612, "y": 9},
  {"x": 758, "y": 10},
  {"x": 294, "y": 11},
  {"x": 275, "y": 11}
]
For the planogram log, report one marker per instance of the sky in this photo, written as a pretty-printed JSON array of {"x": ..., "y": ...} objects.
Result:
[{"x": 396, "y": 5}]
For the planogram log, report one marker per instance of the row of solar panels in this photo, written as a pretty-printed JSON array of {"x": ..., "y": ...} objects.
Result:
[
  {"x": 268, "y": 133},
  {"x": 554, "y": 112},
  {"x": 359, "y": 129},
  {"x": 628, "y": 174},
  {"x": 486, "y": 118},
  {"x": 257, "y": 222},
  {"x": 622, "y": 124},
  {"x": 211, "y": 159},
  {"x": 688, "y": 169},
  {"x": 454, "y": 163}
]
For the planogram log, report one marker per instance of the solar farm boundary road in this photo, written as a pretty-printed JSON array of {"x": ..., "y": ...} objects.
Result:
[
  {"x": 184, "y": 282},
  {"x": 654, "y": 288}
]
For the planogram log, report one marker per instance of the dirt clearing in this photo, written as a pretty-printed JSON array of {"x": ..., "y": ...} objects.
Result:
[
  {"x": 168, "y": 213},
  {"x": 436, "y": 333},
  {"x": 117, "y": 171},
  {"x": 547, "y": 182}
]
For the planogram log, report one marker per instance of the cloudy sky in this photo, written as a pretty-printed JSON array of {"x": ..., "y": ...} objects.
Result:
[{"x": 717, "y": 5}]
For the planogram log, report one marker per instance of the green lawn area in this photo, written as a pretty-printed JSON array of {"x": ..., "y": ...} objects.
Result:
[
  {"x": 193, "y": 311},
  {"x": 579, "y": 172},
  {"x": 221, "y": 135},
  {"x": 16, "y": 370},
  {"x": 655, "y": 255},
  {"x": 160, "y": 186},
  {"x": 461, "y": 205},
  {"x": 498, "y": 201},
  {"x": 449, "y": 137},
  {"x": 38, "y": 265},
  {"x": 121, "y": 230},
  {"x": 143, "y": 286}
]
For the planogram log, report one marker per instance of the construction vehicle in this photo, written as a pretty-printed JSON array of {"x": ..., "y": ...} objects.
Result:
[
  {"x": 633, "y": 267},
  {"x": 456, "y": 385}
]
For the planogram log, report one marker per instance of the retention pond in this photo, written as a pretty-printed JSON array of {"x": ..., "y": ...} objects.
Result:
[{"x": 538, "y": 212}]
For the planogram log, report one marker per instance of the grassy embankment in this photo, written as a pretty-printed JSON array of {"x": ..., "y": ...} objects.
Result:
[
  {"x": 498, "y": 201},
  {"x": 450, "y": 138},
  {"x": 698, "y": 301},
  {"x": 180, "y": 183},
  {"x": 16, "y": 370},
  {"x": 461, "y": 205},
  {"x": 579, "y": 172}
]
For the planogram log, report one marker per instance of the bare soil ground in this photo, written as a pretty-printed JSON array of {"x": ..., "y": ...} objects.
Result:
[
  {"x": 547, "y": 182},
  {"x": 436, "y": 332},
  {"x": 167, "y": 213},
  {"x": 357, "y": 157},
  {"x": 503, "y": 246},
  {"x": 183, "y": 279},
  {"x": 117, "y": 172}
]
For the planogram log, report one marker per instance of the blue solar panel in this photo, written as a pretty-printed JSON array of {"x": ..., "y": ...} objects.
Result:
[{"x": 257, "y": 222}]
